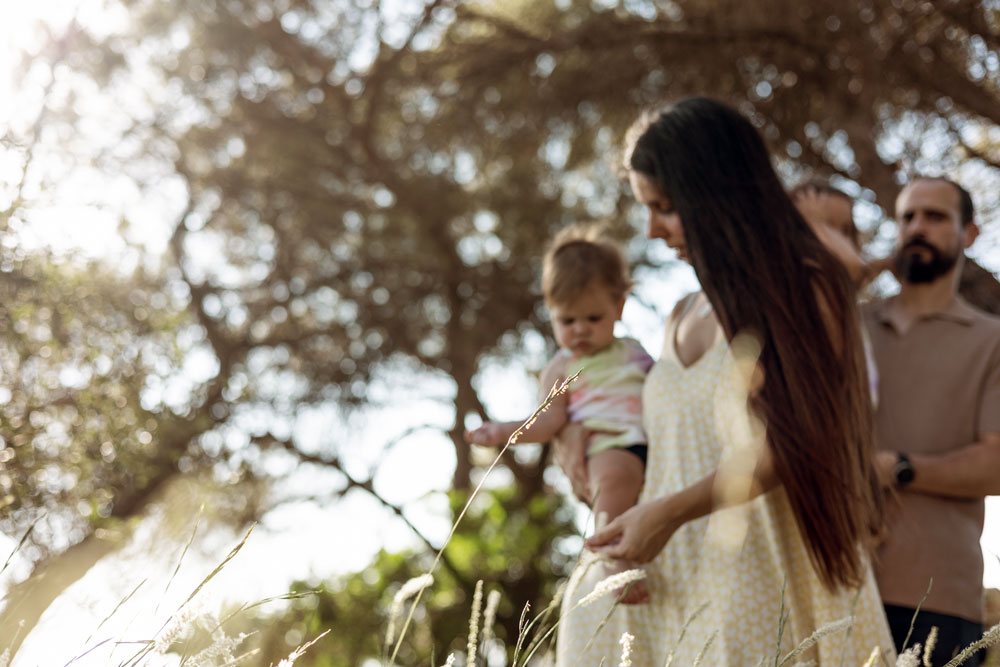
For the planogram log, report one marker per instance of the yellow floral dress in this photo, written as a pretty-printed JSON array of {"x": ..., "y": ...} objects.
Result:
[{"x": 729, "y": 577}]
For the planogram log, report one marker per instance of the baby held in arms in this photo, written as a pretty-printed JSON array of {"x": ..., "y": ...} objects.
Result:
[{"x": 585, "y": 280}]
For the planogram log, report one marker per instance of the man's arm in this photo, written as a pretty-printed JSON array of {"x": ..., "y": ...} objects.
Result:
[
  {"x": 814, "y": 207},
  {"x": 968, "y": 472}
]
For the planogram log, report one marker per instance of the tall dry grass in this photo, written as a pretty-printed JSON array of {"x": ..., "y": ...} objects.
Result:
[{"x": 532, "y": 646}]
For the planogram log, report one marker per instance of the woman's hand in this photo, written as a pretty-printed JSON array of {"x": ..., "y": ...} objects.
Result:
[
  {"x": 639, "y": 534},
  {"x": 570, "y": 451}
]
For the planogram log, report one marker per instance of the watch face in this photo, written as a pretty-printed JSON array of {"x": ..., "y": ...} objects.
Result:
[
  {"x": 904, "y": 474},
  {"x": 904, "y": 471}
]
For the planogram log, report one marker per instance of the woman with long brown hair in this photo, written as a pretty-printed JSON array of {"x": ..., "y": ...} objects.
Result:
[{"x": 760, "y": 496}]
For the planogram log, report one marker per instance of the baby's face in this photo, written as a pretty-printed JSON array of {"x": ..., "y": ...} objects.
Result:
[{"x": 586, "y": 324}]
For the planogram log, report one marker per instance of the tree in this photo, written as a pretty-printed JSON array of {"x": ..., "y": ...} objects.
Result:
[
  {"x": 866, "y": 92},
  {"x": 520, "y": 551},
  {"x": 375, "y": 190},
  {"x": 336, "y": 256}
]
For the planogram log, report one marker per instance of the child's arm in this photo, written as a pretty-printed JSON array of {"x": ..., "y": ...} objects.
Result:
[{"x": 543, "y": 429}]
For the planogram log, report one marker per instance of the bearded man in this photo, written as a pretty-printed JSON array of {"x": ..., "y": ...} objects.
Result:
[{"x": 938, "y": 423}]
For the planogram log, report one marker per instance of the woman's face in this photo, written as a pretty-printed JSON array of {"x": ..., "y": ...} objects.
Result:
[{"x": 663, "y": 221}]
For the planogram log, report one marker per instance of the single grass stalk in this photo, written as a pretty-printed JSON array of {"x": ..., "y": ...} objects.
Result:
[
  {"x": 611, "y": 584},
  {"x": 521, "y": 631},
  {"x": 197, "y": 522},
  {"x": 232, "y": 554},
  {"x": 913, "y": 620},
  {"x": 556, "y": 601},
  {"x": 473, "y": 643},
  {"x": 626, "y": 644},
  {"x": 300, "y": 651},
  {"x": 406, "y": 591},
  {"x": 704, "y": 649},
  {"x": 607, "y": 616},
  {"x": 988, "y": 639},
  {"x": 113, "y": 612},
  {"x": 690, "y": 619},
  {"x": 782, "y": 619},
  {"x": 490, "y": 617},
  {"x": 541, "y": 618},
  {"x": 72, "y": 660},
  {"x": 247, "y": 607},
  {"x": 929, "y": 645},
  {"x": 823, "y": 631},
  {"x": 873, "y": 656},
  {"x": 556, "y": 390},
  {"x": 240, "y": 658},
  {"x": 20, "y": 543},
  {"x": 910, "y": 657}
]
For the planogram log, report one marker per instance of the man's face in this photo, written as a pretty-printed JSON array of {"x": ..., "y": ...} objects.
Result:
[{"x": 931, "y": 234}]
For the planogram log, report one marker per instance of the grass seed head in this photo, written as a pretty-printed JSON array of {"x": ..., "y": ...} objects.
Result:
[{"x": 611, "y": 584}]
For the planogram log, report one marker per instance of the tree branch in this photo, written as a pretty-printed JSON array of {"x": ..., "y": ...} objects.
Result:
[{"x": 367, "y": 486}]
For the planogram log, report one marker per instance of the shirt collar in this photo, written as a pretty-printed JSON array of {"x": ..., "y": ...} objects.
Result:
[{"x": 958, "y": 311}]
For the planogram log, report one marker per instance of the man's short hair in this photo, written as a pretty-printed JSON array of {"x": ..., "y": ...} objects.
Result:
[{"x": 966, "y": 209}]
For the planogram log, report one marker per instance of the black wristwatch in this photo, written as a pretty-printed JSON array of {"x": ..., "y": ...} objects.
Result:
[{"x": 903, "y": 471}]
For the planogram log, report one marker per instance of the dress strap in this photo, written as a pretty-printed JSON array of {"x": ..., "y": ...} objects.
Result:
[
  {"x": 688, "y": 304},
  {"x": 684, "y": 306}
]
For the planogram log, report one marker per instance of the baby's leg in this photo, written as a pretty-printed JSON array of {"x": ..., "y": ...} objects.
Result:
[{"x": 616, "y": 478}]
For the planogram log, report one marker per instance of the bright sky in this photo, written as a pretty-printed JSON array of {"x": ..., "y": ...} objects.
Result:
[{"x": 307, "y": 540}]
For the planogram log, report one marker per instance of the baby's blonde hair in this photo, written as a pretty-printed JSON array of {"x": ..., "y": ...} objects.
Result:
[{"x": 578, "y": 255}]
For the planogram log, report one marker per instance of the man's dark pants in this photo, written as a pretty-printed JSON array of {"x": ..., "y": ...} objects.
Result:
[{"x": 954, "y": 633}]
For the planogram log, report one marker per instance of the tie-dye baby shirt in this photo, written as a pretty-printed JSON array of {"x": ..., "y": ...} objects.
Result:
[{"x": 607, "y": 397}]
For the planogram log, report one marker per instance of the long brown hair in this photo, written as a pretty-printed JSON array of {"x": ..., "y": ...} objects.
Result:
[{"x": 766, "y": 273}]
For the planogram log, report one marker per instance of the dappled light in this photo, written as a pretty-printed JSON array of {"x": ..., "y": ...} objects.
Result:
[{"x": 268, "y": 260}]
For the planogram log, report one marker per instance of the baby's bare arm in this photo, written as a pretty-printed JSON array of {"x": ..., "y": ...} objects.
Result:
[{"x": 543, "y": 428}]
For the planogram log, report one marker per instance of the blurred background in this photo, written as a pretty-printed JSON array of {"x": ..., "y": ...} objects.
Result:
[{"x": 262, "y": 261}]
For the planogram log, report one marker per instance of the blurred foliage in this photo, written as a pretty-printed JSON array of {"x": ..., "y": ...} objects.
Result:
[
  {"x": 360, "y": 191},
  {"x": 80, "y": 348},
  {"x": 515, "y": 547}
]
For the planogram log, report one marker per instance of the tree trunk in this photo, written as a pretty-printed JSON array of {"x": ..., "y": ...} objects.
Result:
[{"x": 28, "y": 600}]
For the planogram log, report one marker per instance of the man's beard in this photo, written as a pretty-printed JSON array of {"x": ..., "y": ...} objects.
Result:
[{"x": 912, "y": 268}]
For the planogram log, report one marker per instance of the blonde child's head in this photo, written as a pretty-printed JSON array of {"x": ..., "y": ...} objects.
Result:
[
  {"x": 584, "y": 282},
  {"x": 582, "y": 257}
]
